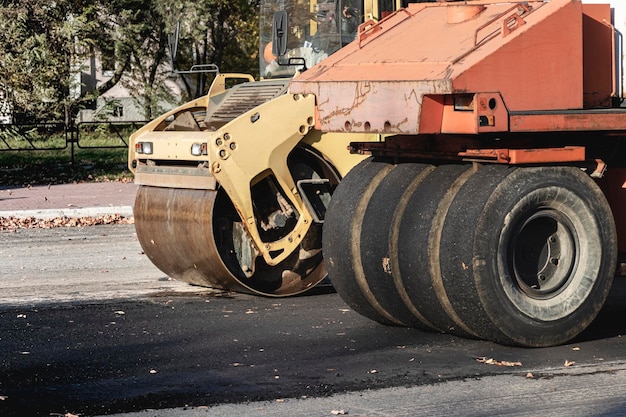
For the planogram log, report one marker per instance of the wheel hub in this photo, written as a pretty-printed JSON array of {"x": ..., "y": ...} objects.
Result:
[{"x": 544, "y": 252}]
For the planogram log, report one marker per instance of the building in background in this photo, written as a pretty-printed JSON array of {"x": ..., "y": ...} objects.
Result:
[{"x": 121, "y": 102}]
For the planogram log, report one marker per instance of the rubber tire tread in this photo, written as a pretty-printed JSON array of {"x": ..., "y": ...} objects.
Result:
[
  {"x": 375, "y": 249},
  {"x": 414, "y": 255},
  {"x": 472, "y": 250},
  {"x": 342, "y": 216}
]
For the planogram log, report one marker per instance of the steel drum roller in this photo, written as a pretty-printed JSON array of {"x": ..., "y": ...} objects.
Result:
[{"x": 195, "y": 236}]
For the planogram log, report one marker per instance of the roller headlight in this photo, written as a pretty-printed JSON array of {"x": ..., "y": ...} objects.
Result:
[
  {"x": 198, "y": 149},
  {"x": 144, "y": 148}
]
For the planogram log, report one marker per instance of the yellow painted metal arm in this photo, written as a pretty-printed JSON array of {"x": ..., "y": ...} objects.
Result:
[{"x": 255, "y": 146}]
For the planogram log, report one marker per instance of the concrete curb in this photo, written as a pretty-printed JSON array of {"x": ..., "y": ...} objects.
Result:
[{"x": 69, "y": 212}]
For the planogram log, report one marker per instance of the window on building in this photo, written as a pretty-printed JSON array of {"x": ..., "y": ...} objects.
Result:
[{"x": 118, "y": 111}]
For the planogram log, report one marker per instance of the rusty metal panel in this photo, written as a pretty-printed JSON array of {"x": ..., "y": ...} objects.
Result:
[{"x": 351, "y": 109}]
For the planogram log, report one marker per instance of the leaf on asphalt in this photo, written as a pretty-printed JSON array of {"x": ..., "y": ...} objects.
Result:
[
  {"x": 491, "y": 361},
  {"x": 373, "y": 371},
  {"x": 530, "y": 375},
  {"x": 14, "y": 223},
  {"x": 568, "y": 363},
  {"x": 70, "y": 415},
  {"x": 339, "y": 412},
  {"x": 3, "y": 397}
]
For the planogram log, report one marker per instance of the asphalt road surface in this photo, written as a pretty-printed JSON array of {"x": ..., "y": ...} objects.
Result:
[{"x": 89, "y": 327}]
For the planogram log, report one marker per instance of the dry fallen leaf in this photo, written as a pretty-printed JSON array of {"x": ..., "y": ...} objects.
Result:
[
  {"x": 14, "y": 223},
  {"x": 491, "y": 361},
  {"x": 568, "y": 363},
  {"x": 339, "y": 412},
  {"x": 530, "y": 375}
]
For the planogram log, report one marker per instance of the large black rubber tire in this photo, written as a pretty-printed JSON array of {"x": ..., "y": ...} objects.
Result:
[
  {"x": 341, "y": 238},
  {"x": 377, "y": 260},
  {"x": 527, "y": 255},
  {"x": 418, "y": 225}
]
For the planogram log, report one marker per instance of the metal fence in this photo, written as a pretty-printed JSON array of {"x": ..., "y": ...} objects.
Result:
[
  {"x": 57, "y": 136},
  {"x": 34, "y": 136}
]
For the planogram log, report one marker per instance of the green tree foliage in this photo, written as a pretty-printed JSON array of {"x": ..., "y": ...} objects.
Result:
[
  {"x": 44, "y": 43},
  {"x": 136, "y": 31},
  {"x": 41, "y": 44},
  {"x": 220, "y": 32}
]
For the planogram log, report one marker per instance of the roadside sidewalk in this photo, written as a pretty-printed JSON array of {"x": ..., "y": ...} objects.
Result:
[{"x": 68, "y": 200}]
